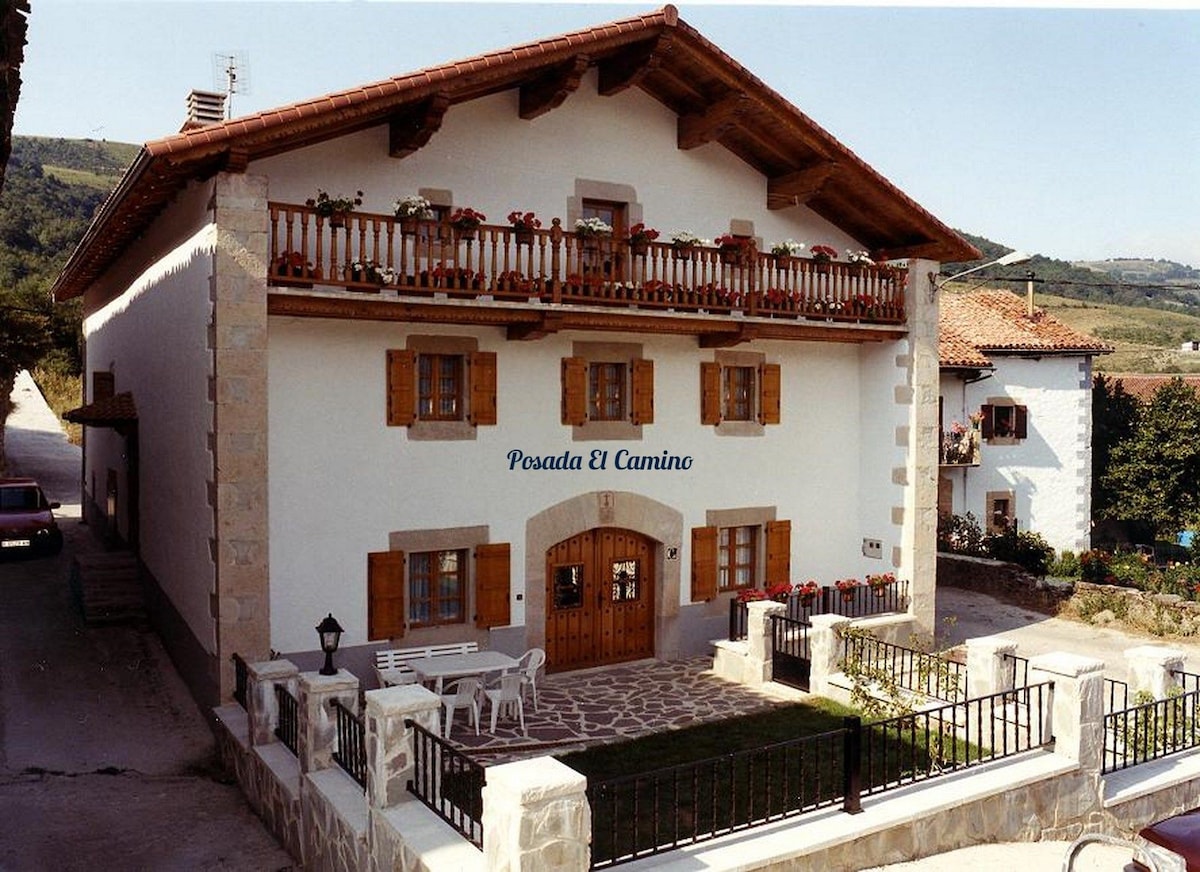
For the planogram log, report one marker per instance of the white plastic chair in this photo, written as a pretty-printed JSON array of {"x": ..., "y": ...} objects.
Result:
[
  {"x": 529, "y": 664},
  {"x": 465, "y": 696},
  {"x": 507, "y": 697}
]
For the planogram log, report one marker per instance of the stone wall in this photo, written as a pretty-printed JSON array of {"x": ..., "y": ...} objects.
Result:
[
  {"x": 1004, "y": 581},
  {"x": 1170, "y": 614}
]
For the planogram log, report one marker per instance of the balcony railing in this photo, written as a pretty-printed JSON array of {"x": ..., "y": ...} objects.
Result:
[{"x": 369, "y": 252}]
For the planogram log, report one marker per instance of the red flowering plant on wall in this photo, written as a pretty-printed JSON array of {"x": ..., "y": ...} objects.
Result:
[
  {"x": 751, "y": 595},
  {"x": 640, "y": 234},
  {"x": 808, "y": 590},
  {"x": 779, "y": 591},
  {"x": 466, "y": 219},
  {"x": 846, "y": 584},
  {"x": 824, "y": 252},
  {"x": 878, "y": 582},
  {"x": 526, "y": 222}
]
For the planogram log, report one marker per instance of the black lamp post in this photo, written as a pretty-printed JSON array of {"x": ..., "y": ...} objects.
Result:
[{"x": 330, "y": 632}]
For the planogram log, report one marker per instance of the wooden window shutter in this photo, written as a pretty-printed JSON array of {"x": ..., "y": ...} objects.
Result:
[
  {"x": 483, "y": 387},
  {"x": 643, "y": 391},
  {"x": 704, "y": 563},
  {"x": 401, "y": 387},
  {"x": 492, "y": 569},
  {"x": 987, "y": 426},
  {"x": 385, "y": 595},
  {"x": 769, "y": 386},
  {"x": 779, "y": 552},
  {"x": 1021, "y": 422},
  {"x": 710, "y": 392},
  {"x": 574, "y": 391}
]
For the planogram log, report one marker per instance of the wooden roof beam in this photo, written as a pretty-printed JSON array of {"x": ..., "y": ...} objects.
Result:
[
  {"x": 550, "y": 89},
  {"x": 797, "y": 188},
  {"x": 714, "y": 122},
  {"x": 545, "y": 325},
  {"x": 630, "y": 67},
  {"x": 411, "y": 128},
  {"x": 727, "y": 338}
]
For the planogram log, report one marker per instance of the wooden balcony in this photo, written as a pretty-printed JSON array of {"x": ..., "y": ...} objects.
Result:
[
  {"x": 959, "y": 446},
  {"x": 555, "y": 271}
]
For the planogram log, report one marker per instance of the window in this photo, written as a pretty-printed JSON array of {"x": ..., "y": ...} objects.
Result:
[
  {"x": 1001, "y": 510},
  {"x": 610, "y": 212},
  {"x": 1004, "y": 421},
  {"x": 740, "y": 388},
  {"x": 437, "y": 587},
  {"x": 739, "y": 548},
  {"x": 606, "y": 391},
  {"x": 426, "y": 231},
  {"x": 609, "y": 388},
  {"x": 739, "y": 396},
  {"x": 440, "y": 387},
  {"x": 737, "y": 553},
  {"x": 625, "y": 577}
]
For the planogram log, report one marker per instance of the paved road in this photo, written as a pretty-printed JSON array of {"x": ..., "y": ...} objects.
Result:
[{"x": 106, "y": 762}]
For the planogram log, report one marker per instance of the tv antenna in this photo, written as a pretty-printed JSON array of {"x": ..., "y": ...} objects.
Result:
[{"x": 231, "y": 75}]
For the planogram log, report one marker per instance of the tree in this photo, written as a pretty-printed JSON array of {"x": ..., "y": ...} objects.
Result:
[
  {"x": 1114, "y": 418},
  {"x": 1154, "y": 474}
]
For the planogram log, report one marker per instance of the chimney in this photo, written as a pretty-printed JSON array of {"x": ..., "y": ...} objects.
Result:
[{"x": 204, "y": 108}]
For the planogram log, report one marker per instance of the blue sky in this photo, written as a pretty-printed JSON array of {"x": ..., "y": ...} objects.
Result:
[{"x": 1072, "y": 132}]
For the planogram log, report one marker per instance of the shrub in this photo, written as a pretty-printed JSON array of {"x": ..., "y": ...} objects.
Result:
[
  {"x": 1131, "y": 570},
  {"x": 960, "y": 534},
  {"x": 1093, "y": 567},
  {"x": 1027, "y": 549},
  {"x": 1066, "y": 565}
]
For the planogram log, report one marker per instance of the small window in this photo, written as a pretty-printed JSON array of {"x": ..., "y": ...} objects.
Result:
[
  {"x": 740, "y": 393},
  {"x": 440, "y": 387},
  {"x": 437, "y": 586},
  {"x": 737, "y": 557},
  {"x": 606, "y": 391},
  {"x": 568, "y": 586},
  {"x": 625, "y": 580},
  {"x": 1001, "y": 511},
  {"x": 432, "y": 229},
  {"x": 1004, "y": 421}
]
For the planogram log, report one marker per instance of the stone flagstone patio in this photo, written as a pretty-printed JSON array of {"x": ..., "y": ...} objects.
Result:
[{"x": 613, "y": 703}]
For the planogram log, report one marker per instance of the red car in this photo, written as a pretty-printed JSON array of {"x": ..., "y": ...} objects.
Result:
[
  {"x": 27, "y": 519},
  {"x": 1180, "y": 834}
]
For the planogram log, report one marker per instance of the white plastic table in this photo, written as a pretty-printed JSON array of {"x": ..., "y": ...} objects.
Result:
[{"x": 446, "y": 666}]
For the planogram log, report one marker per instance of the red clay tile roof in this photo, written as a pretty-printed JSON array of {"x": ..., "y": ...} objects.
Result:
[
  {"x": 1143, "y": 386},
  {"x": 656, "y": 52},
  {"x": 973, "y": 325},
  {"x": 117, "y": 409}
]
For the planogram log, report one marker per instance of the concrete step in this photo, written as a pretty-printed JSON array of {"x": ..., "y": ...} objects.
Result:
[{"x": 108, "y": 588}]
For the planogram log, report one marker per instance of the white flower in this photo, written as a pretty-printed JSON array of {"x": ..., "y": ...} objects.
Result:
[
  {"x": 592, "y": 226},
  {"x": 413, "y": 206},
  {"x": 787, "y": 248},
  {"x": 860, "y": 257},
  {"x": 686, "y": 237}
]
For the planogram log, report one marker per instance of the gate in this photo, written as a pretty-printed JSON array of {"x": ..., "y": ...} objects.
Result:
[{"x": 790, "y": 660}]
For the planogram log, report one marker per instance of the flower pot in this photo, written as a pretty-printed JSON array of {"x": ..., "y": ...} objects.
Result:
[
  {"x": 684, "y": 252},
  {"x": 806, "y": 599},
  {"x": 466, "y": 234},
  {"x": 729, "y": 256},
  {"x": 409, "y": 225},
  {"x": 338, "y": 219},
  {"x": 523, "y": 235},
  {"x": 879, "y": 591},
  {"x": 821, "y": 267},
  {"x": 847, "y": 595},
  {"x": 639, "y": 247}
]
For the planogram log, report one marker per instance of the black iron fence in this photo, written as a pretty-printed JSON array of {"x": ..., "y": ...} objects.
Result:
[
  {"x": 241, "y": 679},
  {"x": 906, "y": 668},
  {"x": 351, "y": 750},
  {"x": 288, "y": 728},
  {"x": 448, "y": 782},
  {"x": 1116, "y": 695},
  {"x": 861, "y": 601},
  {"x": 640, "y": 815},
  {"x": 1189, "y": 682},
  {"x": 1018, "y": 669},
  {"x": 1150, "y": 730},
  {"x": 791, "y": 662},
  {"x": 635, "y": 816},
  {"x": 937, "y": 741}
]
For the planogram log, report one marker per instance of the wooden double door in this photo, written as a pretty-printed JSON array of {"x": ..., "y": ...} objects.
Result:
[{"x": 599, "y": 599}]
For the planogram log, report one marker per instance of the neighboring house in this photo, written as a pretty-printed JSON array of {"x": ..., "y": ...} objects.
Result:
[
  {"x": 525, "y": 440},
  {"x": 1142, "y": 386},
  {"x": 1016, "y": 417}
]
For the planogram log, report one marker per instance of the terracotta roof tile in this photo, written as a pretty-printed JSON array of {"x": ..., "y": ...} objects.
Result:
[
  {"x": 1143, "y": 386},
  {"x": 994, "y": 322},
  {"x": 117, "y": 409}
]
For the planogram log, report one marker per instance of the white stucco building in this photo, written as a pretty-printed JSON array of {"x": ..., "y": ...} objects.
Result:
[
  {"x": 550, "y": 441},
  {"x": 1016, "y": 417}
]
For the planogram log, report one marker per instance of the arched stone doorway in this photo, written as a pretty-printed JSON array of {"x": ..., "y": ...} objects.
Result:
[{"x": 660, "y": 525}]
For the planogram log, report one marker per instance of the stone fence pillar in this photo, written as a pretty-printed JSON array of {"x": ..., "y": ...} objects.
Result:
[
  {"x": 824, "y": 651},
  {"x": 536, "y": 817},
  {"x": 988, "y": 671},
  {"x": 390, "y": 743},
  {"x": 1078, "y": 709},
  {"x": 1151, "y": 669},
  {"x": 318, "y": 721},
  {"x": 760, "y": 648},
  {"x": 262, "y": 710}
]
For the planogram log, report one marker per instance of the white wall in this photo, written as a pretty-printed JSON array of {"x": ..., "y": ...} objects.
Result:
[
  {"x": 496, "y": 162},
  {"x": 153, "y": 335},
  {"x": 1050, "y": 472},
  {"x": 341, "y": 480}
]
